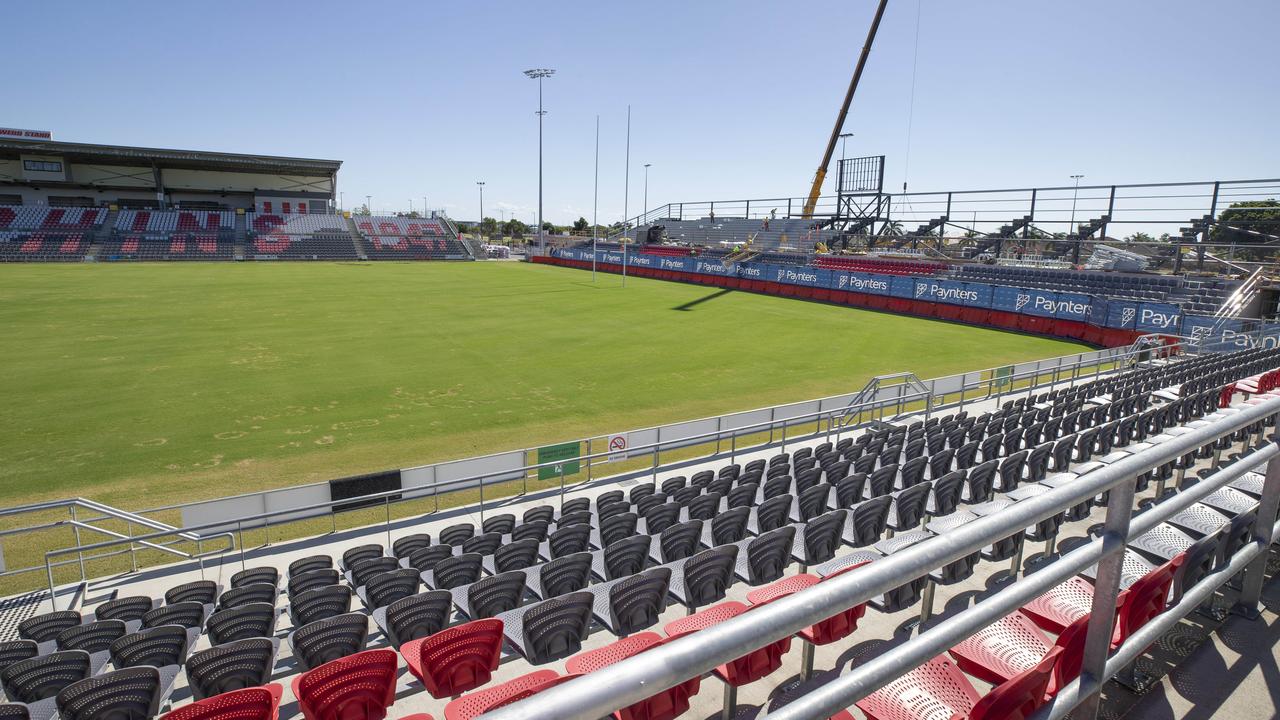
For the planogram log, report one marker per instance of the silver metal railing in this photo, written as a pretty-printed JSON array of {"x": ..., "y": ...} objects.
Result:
[{"x": 641, "y": 676}]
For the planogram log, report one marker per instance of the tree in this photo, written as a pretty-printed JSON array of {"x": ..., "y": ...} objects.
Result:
[
  {"x": 581, "y": 224},
  {"x": 514, "y": 228},
  {"x": 488, "y": 226},
  {"x": 362, "y": 210},
  {"x": 1139, "y": 237},
  {"x": 1254, "y": 216},
  {"x": 548, "y": 227}
]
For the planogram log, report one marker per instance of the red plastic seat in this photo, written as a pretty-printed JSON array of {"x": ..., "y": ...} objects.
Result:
[
  {"x": 456, "y": 659},
  {"x": 1072, "y": 600},
  {"x": 1013, "y": 644},
  {"x": 356, "y": 687},
  {"x": 669, "y": 703},
  {"x": 418, "y": 716},
  {"x": 938, "y": 689},
  {"x": 255, "y": 703},
  {"x": 749, "y": 667},
  {"x": 836, "y": 627},
  {"x": 482, "y": 701}
]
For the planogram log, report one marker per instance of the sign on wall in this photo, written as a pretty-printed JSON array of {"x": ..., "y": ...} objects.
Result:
[
  {"x": 21, "y": 134},
  {"x": 565, "y": 459}
]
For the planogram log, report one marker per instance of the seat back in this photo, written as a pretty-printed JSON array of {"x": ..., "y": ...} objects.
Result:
[
  {"x": 326, "y": 640},
  {"x": 125, "y": 608},
  {"x": 773, "y": 513},
  {"x": 417, "y": 616},
  {"x": 186, "y": 614},
  {"x": 637, "y": 601},
  {"x": 233, "y": 666},
  {"x": 729, "y": 526},
  {"x": 849, "y": 489},
  {"x": 457, "y": 571},
  {"x": 424, "y": 559},
  {"x": 812, "y": 502},
  {"x": 311, "y": 580},
  {"x": 268, "y": 575},
  {"x": 360, "y": 686},
  {"x": 496, "y": 594},
  {"x": 365, "y": 569},
  {"x": 244, "y": 621},
  {"x": 1145, "y": 599},
  {"x": 388, "y": 587},
  {"x": 870, "y": 519},
  {"x": 457, "y": 534},
  {"x": 484, "y": 544},
  {"x": 13, "y": 651},
  {"x": 252, "y": 593},
  {"x": 91, "y": 637},
  {"x": 946, "y": 492},
  {"x": 769, "y": 555},
  {"x": 46, "y": 626},
  {"x": 909, "y": 505},
  {"x": 743, "y": 495},
  {"x": 503, "y": 524},
  {"x": 822, "y": 536},
  {"x": 661, "y": 517},
  {"x": 618, "y": 527},
  {"x": 359, "y": 553},
  {"x": 407, "y": 545},
  {"x": 543, "y": 513},
  {"x": 777, "y": 485},
  {"x": 42, "y": 677},
  {"x": 308, "y": 564},
  {"x": 1019, "y": 696},
  {"x": 680, "y": 541},
  {"x": 569, "y": 540},
  {"x": 981, "y": 481},
  {"x": 708, "y": 575},
  {"x": 253, "y": 703},
  {"x": 128, "y": 694},
  {"x": 516, "y": 555},
  {"x": 554, "y": 629},
  {"x": 627, "y": 556}
]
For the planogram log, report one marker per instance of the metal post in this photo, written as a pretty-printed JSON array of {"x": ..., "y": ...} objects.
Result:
[
  {"x": 79, "y": 555},
  {"x": 626, "y": 178},
  {"x": 595, "y": 204},
  {"x": 482, "y": 496},
  {"x": 1251, "y": 587},
  {"x": 562, "y": 487},
  {"x": 1097, "y": 644},
  {"x": 387, "y": 500},
  {"x": 133, "y": 557},
  {"x": 240, "y": 537}
]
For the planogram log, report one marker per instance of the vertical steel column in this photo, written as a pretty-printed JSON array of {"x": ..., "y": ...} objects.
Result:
[
  {"x": 1026, "y": 229},
  {"x": 1251, "y": 587},
  {"x": 76, "y": 529},
  {"x": 1097, "y": 644},
  {"x": 1204, "y": 235}
]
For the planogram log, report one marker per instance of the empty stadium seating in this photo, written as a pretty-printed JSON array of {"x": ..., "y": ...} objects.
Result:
[
  {"x": 873, "y": 265},
  {"x": 403, "y": 238},
  {"x": 42, "y": 247},
  {"x": 1195, "y": 296},
  {"x": 331, "y": 245},
  {"x": 526, "y": 590},
  {"x": 171, "y": 246},
  {"x": 50, "y": 219},
  {"x": 262, "y": 223}
]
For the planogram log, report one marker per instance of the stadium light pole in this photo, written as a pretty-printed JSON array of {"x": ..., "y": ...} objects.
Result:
[
  {"x": 843, "y": 137},
  {"x": 481, "y": 225},
  {"x": 368, "y": 204},
  {"x": 1074, "y": 193},
  {"x": 595, "y": 205},
  {"x": 538, "y": 74}
]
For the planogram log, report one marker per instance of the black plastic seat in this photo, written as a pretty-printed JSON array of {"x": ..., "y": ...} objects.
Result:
[
  {"x": 425, "y": 559},
  {"x": 686, "y": 495},
  {"x": 673, "y": 484},
  {"x": 457, "y": 534},
  {"x": 484, "y": 544},
  {"x": 13, "y": 651},
  {"x": 868, "y": 520},
  {"x": 708, "y": 576},
  {"x": 135, "y": 692},
  {"x": 649, "y": 502},
  {"x": 127, "y": 608},
  {"x": 515, "y": 555},
  {"x": 554, "y": 629},
  {"x": 303, "y": 582},
  {"x": 46, "y": 626},
  {"x": 43, "y": 677},
  {"x": 729, "y": 526},
  {"x": 912, "y": 472},
  {"x": 946, "y": 493},
  {"x": 94, "y": 637},
  {"x": 850, "y": 489},
  {"x": 204, "y": 592},
  {"x": 577, "y": 517},
  {"x": 407, "y": 545},
  {"x": 240, "y": 622},
  {"x": 388, "y": 587},
  {"x": 543, "y": 513},
  {"x": 309, "y": 564},
  {"x": 636, "y": 602},
  {"x": 366, "y": 569},
  {"x": 533, "y": 529},
  {"x": 967, "y": 455},
  {"x": 813, "y": 502},
  {"x": 640, "y": 491},
  {"x": 360, "y": 553},
  {"x": 455, "y": 571},
  {"x": 806, "y": 479},
  {"x": 610, "y": 496},
  {"x": 1011, "y": 470},
  {"x": 575, "y": 505},
  {"x": 823, "y": 537},
  {"x": 1037, "y": 467},
  {"x": 319, "y": 642},
  {"x": 881, "y": 480},
  {"x": 704, "y": 507},
  {"x": 563, "y": 575},
  {"x": 186, "y": 614},
  {"x": 773, "y": 513},
  {"x": 416, "y": 616},
  {"x": 661, "y": 517},
  {"x": 158, "y": 647},
  {"x": 495, "y": 594},
  {"x": 617, "y": 528},
  {"x": 908, "y": 507},
  {"x": 233, "y": 666},
  {"x": 604, "y": 511},
  {"x": 982, "y": 479},
  {"x": 743, "y": 495},
  {"x": 940, "y": 463},
  {"x": 569, "y": 540},
  {"x": 768, "y": 556},
  {"x": 501, "y": 524},
  {"x": 266, "y": 575},
  {"x": 248, "y": 594},
  {"x": 680, "y": 541},
  {"x": 627, "y": 556}
]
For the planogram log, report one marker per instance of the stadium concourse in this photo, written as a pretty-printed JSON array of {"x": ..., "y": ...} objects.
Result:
[{"x": 460, "y": 612}]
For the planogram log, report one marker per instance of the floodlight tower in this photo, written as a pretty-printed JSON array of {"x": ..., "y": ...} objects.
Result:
[{"x": 538, "y": 74}]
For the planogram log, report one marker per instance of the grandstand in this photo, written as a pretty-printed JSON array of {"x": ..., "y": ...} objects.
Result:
[{"x": 649, "y": 591}]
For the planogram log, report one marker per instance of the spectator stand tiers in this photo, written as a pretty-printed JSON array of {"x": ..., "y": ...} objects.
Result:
[
  {"x": 487, "y": 609},
  {"x": 299, "y": 237},
  {"x": 171, "y": 235},
  {"x": 47, "y": 234},
  {"x": 401, "y": 238}
]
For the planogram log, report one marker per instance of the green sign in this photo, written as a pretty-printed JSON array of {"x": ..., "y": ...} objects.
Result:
[
  {"x": 1003, "y": 375},
  {"x": 568, "y": 452}
]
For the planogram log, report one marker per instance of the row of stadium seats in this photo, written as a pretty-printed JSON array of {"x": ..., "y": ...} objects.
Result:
[
  {"x": 43, "y": 217},
  {"x": 387, "y": 247},
  {"x": 1205, "y": 296},
  {"x": 872, "y": 265},
  {"x": 448, "y": 606},
  {"x": 260, "y": 223},
  {"x": 42, "y": 247},
  {"x": 329, "y": 245},
  {"x": 164, "y": 221},
  {"x": 173, "y": 246},
  {"x": 390, "y": 225}
]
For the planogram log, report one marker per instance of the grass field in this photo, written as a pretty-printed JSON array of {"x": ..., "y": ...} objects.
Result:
[{"x": 146, "y": 384}]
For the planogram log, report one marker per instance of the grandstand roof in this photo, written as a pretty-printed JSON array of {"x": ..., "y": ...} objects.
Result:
[{"x": 167, "y": 158}]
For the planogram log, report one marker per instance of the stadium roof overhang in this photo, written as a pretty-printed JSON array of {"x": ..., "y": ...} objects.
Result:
[{"x": 164, "y": 158}]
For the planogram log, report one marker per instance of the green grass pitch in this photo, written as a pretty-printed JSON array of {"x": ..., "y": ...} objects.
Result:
[{"x": 147, "y": 384}]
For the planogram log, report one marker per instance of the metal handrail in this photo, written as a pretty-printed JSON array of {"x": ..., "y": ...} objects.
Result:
[{"x": 636, "y": 678}]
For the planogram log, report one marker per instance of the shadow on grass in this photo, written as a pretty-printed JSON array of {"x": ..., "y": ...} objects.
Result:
[{"x": 692, "y": 303}]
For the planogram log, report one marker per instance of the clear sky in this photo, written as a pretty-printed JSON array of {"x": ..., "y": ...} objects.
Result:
[{"x": 729, "y": 99}]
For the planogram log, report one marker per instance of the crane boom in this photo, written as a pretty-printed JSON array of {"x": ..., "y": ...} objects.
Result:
[{"x": 821, "y": 175}]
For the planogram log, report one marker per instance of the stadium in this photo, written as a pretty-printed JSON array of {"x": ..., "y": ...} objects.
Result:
[{"x": 977, "y": 451}]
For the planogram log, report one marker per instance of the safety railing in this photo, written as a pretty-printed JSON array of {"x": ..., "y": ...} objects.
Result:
[{"x": 634, "y": 679}]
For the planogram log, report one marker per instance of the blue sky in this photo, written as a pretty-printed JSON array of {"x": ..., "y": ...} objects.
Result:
[{"x": 729, "y": 99}]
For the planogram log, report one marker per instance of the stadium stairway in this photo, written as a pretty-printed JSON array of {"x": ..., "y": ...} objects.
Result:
[
  {"x": 102, "y": 235},
  {"x": 355, "y": 238},
  {"x": 240, "y": 236}
]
